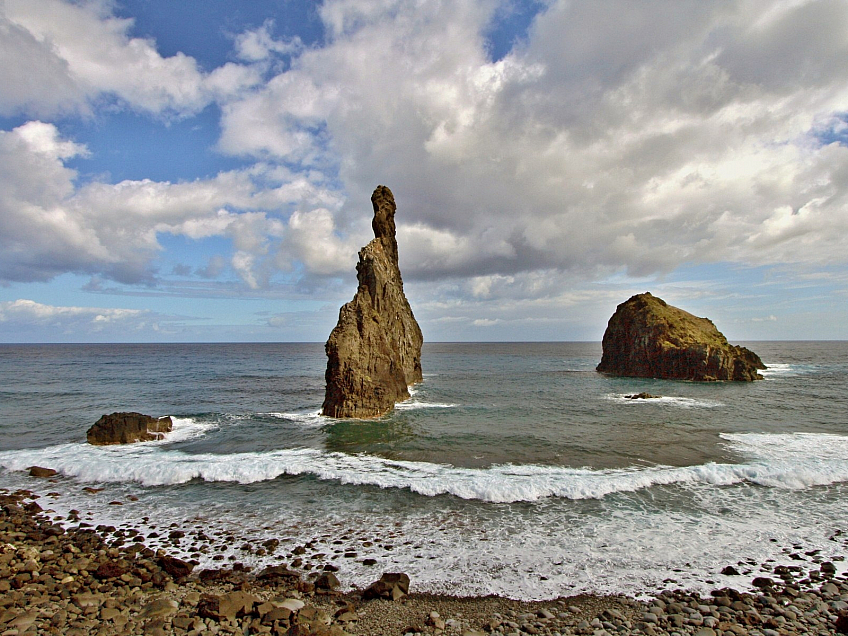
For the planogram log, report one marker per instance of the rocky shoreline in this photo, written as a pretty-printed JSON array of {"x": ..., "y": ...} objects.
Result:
[{"x": 71, "y": 579}]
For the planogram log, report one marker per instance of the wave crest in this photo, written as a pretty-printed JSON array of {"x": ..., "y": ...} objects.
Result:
[{"x": 782, "y": 461}]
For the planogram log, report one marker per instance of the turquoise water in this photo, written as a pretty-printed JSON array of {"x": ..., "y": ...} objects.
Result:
[{"x": 513, "y": 469}]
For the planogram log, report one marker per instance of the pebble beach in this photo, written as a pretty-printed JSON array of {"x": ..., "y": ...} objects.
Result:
[{"x": 61, "y": 576}]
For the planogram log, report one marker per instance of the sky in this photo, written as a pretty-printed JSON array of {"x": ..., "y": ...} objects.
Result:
[{"x": 201, "y": 170}]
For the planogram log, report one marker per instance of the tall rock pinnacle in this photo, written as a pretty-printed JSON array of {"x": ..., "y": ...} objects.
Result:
[{"x": 374, "y": 352}]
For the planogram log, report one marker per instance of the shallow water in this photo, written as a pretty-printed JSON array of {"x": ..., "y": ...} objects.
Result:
[{"x": 513, "y": 469}]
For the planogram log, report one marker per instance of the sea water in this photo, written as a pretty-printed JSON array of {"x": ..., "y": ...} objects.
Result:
[{"x": 513, "y": 469}]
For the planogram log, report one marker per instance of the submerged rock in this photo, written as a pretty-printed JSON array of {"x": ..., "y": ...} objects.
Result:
[
  {"x": 126, "y": 428},
  {"x": 374, "y": 352},
  {"x": 648, "y": 338}
]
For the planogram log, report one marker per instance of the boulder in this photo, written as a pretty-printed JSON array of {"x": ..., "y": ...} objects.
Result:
[
  {"x": 174, "y": 566},
  {"x": 841, "y": 623},
  {"x": 648, "y": 338},
  {"x": 392, "y": 586},
  {"x": 327, "y": 581},
  {"x": 39, "y": 471},
  {"x": 374, "y": 352},
  {"x": 126, "y": 428}
]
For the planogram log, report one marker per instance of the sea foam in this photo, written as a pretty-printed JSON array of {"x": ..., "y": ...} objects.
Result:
[
  {"x": 665, "y": 400},
  {"x": 794, "y": 461}
]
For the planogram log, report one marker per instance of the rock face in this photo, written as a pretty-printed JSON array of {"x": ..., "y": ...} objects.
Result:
[
  {"x": 126, "y": 428},
  {"x": 648, "y": 338},
  {"x": 374, "y": 352}
]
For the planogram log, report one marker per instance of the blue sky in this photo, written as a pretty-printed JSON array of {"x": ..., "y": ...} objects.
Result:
[{"x": 201, "y": 170}]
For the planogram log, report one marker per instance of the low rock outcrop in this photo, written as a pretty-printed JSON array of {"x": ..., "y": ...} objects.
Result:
[
  {"x": 648, "y": 338},
  {"x": 374, "y": 352},
  {"x": 126, "y": 428}
]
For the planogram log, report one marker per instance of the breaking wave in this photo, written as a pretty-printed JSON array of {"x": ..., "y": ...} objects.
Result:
[{"x": 789, "y": 461}]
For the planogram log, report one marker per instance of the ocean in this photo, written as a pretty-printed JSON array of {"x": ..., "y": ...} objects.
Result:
[{"x": 514, "y": 468}]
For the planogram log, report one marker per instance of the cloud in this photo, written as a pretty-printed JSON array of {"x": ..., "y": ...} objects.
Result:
[
  {"x": 61, "y": 57},
  {"x": 49, "y": 225},
  {"x": 614, "y": 139},
  {"x": 61, "y": 323},
  {"x": 258, "y": 44},
  {"x": 31, "y": 311},
  {"x": 667, "y": 135}
]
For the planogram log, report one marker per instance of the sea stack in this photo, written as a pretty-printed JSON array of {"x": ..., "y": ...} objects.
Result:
[
  {"x": 374, "y": 352},
  {"x": 648, "y": 338}
]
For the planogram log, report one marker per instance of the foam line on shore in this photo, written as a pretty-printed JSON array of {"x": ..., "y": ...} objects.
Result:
[
  {"x": 795, "y": 461},
  {"x": 665, "y": 400}
]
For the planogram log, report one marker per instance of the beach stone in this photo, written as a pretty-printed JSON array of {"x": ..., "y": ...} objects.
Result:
[
  {"x": 86, "y": 600},
  {"x": 646, "y": 337},
  {"x": 127, "y": 428},
  {"x": 182, "y": 621},
  {"x": 236, "y": 604},
  {"x": 292, "y": 604},
  {"x": 24, "y": 621},
  {"x": 327, "y": 581},
  {"x": 277, "y": 572},
  {"x": 38, "y": 471},
  {"x": 374, "y": 352},
  {"x": 275, "y": 614},
  {"x": 208, "y": 606},
  {"x": 159, "y": 608},
  {"x": 109, "y": 570},
  {"x": 174, "y": 566},
  {"x": 830, "y": 589},
  {"x": 392, "y": 585}
]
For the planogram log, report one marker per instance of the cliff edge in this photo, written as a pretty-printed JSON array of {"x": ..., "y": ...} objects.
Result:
[
  {"x": 648, "y": 338},
  {"x": 374, "y": 352}
]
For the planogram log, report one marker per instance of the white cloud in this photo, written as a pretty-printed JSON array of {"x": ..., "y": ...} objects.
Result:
[
  {"x": 638, "y": 136},
  {"x": 313, "y": 240},
  {"x": 49, "y": 225},
  {"x": 64, "y": 319},
  {"x": 617, "y": 137},
  {"x": 57, "y": 56},
  {"x": 258, "y": 44}
]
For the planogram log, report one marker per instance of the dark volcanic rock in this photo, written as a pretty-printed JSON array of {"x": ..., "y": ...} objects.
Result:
[
  {"x": 374, "y": 352},
  {"x": 126, "y": 428},
  {"x": 646, "y": 337}
]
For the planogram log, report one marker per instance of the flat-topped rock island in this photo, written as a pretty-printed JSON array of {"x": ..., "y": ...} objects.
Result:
[{"x": 648, "y": 338}]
